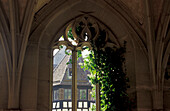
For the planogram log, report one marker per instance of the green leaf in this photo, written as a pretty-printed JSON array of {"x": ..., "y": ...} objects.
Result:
[{"x": 60, "y": 46}]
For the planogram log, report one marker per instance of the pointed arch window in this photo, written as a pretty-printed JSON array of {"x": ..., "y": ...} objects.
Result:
[{"x": 82, "y": 32}]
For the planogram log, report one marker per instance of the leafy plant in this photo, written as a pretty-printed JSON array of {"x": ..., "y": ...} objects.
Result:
[
  {"x": 105, "y": 66},
  {"x": 106, "y": 69}
]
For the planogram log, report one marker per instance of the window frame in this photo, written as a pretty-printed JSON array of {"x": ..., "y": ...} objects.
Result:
[{"x": 67, "y": 93}]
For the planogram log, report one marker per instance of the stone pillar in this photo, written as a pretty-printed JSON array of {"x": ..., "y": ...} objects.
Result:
[
  {"x": 74, "y": 80},
  {"x": 157, "y": 100}
]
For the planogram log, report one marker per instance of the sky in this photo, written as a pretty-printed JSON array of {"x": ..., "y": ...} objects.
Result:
[{"x": 84, "y": 52}]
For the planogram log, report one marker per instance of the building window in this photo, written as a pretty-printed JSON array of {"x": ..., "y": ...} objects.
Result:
[
  {"x": 56, "y": 95},
  {"x": 69, "y": 73},
  {"x": 67, "y": 94},
  {"x": 82, "y": 94}
]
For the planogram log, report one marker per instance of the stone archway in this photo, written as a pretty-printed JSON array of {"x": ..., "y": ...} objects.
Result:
[
  {"x": 26, "y": 38},
  {"x": 50, "y": 25}
]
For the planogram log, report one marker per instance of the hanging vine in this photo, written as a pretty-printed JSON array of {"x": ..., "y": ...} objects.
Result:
[{"x": 106, "y": 69}]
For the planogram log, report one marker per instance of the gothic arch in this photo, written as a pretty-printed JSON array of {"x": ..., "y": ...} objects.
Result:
[
  {"x": 112, "y": 14},
  {"x": 49, "y": 24}
]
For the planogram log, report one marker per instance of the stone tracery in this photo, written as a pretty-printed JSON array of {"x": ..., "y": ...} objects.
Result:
[{"x": 86, "y": 31}]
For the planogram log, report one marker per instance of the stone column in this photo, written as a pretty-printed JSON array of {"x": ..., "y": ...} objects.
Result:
[{"x": 74, "y": 79}]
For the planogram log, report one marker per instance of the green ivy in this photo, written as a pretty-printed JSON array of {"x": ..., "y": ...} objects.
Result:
[
  {"x": 106, "y": 69},
  {"x": 105, "y": 66}
]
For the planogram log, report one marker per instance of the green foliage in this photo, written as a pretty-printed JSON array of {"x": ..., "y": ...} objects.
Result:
[
  {"x": 69, "y": 34},
  {"x": 106, "y": 69},
  {"x": 79, "y": 53},
  {"x": 61, "y": 46},
  {"x": 105, "y": 66},
  {"x": 93, "y": 94},
  {"x": 67, "y": 52},
  {"x": 93, "y": 108}
]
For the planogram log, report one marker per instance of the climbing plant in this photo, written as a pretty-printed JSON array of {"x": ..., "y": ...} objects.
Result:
[{"x": 106, "y": 68}]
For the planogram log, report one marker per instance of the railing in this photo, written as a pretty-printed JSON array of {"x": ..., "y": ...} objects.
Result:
[{"x": 66, "y": 105}]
